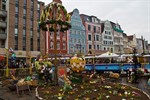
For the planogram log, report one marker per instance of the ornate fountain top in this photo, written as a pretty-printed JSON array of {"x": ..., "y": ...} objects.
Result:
[{"x": 59, "y": 1}]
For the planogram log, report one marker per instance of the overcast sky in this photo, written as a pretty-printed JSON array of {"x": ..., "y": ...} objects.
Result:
[{"x": 132, "y": 15}]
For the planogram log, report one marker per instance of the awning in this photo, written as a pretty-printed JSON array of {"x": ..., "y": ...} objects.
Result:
[{"x": 107, "y": 55}]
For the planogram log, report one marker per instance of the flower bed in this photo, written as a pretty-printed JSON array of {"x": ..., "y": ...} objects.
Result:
[{"x": 92, "y": 91}]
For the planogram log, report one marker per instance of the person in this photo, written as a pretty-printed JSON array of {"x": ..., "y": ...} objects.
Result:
[
  {"x": 41, "y": 71},
  {"x": 68, "y": 70},
  {"x": 48, "y": 74}
]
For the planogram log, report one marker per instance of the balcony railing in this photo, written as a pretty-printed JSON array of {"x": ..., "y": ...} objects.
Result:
[
  {"x": 3, "y": 35},
  {"x": 3, "y": 24},
  {"x": 3, "y": 13}
]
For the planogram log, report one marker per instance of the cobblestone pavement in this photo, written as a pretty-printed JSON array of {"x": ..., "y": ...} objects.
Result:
[{"x": 6, "y": 94}]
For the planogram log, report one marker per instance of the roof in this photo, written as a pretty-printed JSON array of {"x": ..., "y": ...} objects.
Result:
[
  {"x": 88, "y": 18},
  {"x": 115, "y": 28},
  {"x": 124, "y": 35},
  {"x": 130, "y": 37}
]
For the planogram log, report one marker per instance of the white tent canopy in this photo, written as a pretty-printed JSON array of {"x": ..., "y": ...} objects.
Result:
[
  {"x": 107, "y": 55},
  {"x": 146, "y": 55}
]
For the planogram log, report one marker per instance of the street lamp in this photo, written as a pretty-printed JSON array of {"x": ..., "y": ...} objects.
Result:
[{"x": 7, "y": 69}]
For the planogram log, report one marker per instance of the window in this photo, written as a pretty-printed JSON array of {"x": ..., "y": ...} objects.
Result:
[
  {"x": 38, "y": 15},
  {"x": 16, "y": 10},
  {"x": 38, "y": 34},
  {"x": 79, "y": 32},
  {"x": 104, "y": 48},
  {"x": 38, "y": 44},
  {"x": 71, "y": 40},
  {"x": 38, "y": 5},
  {"x": 58, "y": 45},
  {"x": 32, "y": 4},
  {"x": 89, "y": 27},
  {"x": 24, "y": 22},
  {"x": 79, "y": 41},
  {"x": 75, "y": 40},
  {"x": 31, "y": 44},
  {"x": 90, "y": 46},
  {"x": 31, "y": 24},
  {"x": 2, "y": 44},
  {"x": 97, "y": 47},
  {"x": 24, "y": 2},
  {"x": 16, "y": 20},
  {"x": 82, "y": 40},
  {"x": 58, "y": 34},
  {"x": 3, "y": 6},
  {"x": 24, "y": 43},
  {"x": 97, "y": 37},
  {"x": 16, "y": 31},
  {"x": 63, "y": 35},
  {"x": 31, "y": 33},
  {"x": 111, "y": 49},
  {"x": 64, "y": 46},
  {"x": 70, "y": 31},
  {"x": 98, "y": 29},
  {"x": 74, "y": 32},
  {"x": 16, "y": 43},
  {"x": 89, "y": 37},
  {"x": 16, "y": 1},
  {"x": 24, "y": 12},
  {"x": 24, "y": 33},
  {"x": 31, "y": 14},
  {"x": 51, "y": 45},
  {"x": 94, "y": 28}
]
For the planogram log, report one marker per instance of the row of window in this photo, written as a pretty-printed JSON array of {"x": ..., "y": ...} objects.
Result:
[
  {"x": 96, "y": 37},
  {"x": 25, "y": 2},
  {"x": 108, "y": 42},
  {"x": 74, "y": 40},
  {"x": 57, "y": 35},
  {"x": 95, "y": 29},
  {"x": 97, "y": 47},
  {"x": 77, "y": 32},
  {"x": 58, "y": 45},
  {"x": 24, "y": 25},
  {"x": 3, "y": 5},
  {"x": 108, "y": 37},
  {"x": 24, "y": 39},
  {"x": 76, "y": 49},
  {"x": 111, "y": 49},
  {"x": 107, "y": 32},
  {"x": 24, "y": 43}
]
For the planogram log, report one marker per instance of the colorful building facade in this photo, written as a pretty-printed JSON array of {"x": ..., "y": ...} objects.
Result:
[
  {"x": 76, "y": 35},
  {"x": 93, "y": 32},
  {"x": 107, "y": 36}
]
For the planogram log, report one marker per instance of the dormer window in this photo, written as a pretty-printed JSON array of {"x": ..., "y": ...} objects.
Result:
[{"x": 88, "y": 19}]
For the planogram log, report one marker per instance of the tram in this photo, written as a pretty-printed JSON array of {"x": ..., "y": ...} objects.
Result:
[{"x": 111, "y": 64}]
